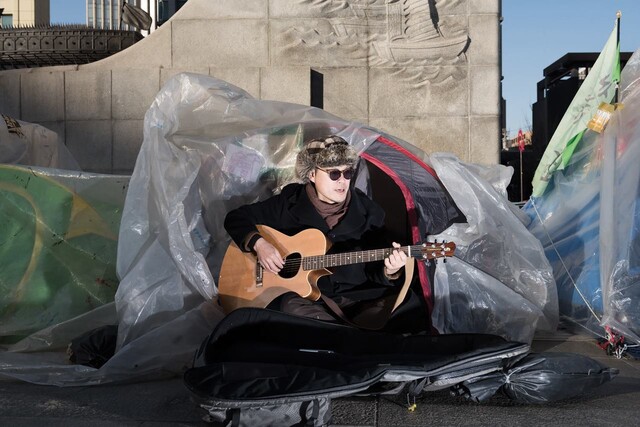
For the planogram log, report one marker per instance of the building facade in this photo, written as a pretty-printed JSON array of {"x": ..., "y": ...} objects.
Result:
[
  {"x": 24, "y": 13},
  {"x": 107, "y": 14},
  {"x": 431, "y": 78}
]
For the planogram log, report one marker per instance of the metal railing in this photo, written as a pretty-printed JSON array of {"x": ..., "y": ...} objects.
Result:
[{"x": 27, "y": 47}]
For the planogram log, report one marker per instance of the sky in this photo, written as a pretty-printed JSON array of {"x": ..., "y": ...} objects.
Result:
[
  {"x": 68, "y": 11},
  {"x": 535, "y": 33}
]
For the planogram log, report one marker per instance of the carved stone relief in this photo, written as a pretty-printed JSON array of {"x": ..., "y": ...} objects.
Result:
[{"x": 404, "y": 35}]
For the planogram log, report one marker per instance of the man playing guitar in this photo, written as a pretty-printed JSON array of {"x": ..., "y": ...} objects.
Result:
[{"x": 350, "y": 221}]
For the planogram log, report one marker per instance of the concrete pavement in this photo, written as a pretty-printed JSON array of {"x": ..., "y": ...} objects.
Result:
[{"x": 168, "y": 403}]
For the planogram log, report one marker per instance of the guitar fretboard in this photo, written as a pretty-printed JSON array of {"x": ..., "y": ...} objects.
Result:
[{"x": 333, "y": 260}]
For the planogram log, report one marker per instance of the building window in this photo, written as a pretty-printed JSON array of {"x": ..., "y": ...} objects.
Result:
[
  {"x": 7, "y": 20},
  {"x": 115, "y": 16},
  {"x": 99, "y": 21},
  {"x": 90, "y": 21}
]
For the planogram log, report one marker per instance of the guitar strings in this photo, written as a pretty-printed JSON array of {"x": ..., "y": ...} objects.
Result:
[{"x": 316, "y": 261}]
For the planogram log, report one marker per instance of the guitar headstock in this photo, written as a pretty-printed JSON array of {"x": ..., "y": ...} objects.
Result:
[{"x": 431, "y": 250}]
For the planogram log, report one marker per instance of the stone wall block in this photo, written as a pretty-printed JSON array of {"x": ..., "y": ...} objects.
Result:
[
  {"x": 484, "y": 6},
  {"x": 351, "y": 11},
  {"x": 393, "y": 97},
  {"x": 417, "y": 91},
  {"x": 167, "y": 73},
  {"x": 484, "y": 31},
  {"x": 10, "y": 94},
  {"x": 42, "y": 96},
  {"x": 88, "y": 95},
  {"x": 151, "y": 52},
  {"x": 453, "y": 7},
  {"x": 90, "y": 143},
  {"x": 485, "y": 90},
  {"x": 288, "y": 84},
  {"x": 431, "y": 134},
  {"x": 127, "y": 140},
  {"x": 247, "y": 78},
  {"x": 448, "y": 91},
  {"x": 314, "y": 42},
  {"x": 485, "y": 140},
  {"x": 228, "y": 43},
  {"x": 346, "y": 92},
  {"x": 224, "y": 9},
  {"x": 345, "y": 10},
  {"x": 133, "y": 91}
]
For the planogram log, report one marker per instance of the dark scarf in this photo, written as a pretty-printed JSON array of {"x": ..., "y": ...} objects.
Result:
[{"x": 332, "y": 213}]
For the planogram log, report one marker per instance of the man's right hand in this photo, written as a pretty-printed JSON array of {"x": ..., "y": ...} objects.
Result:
[{"x": 268, "y": 256}]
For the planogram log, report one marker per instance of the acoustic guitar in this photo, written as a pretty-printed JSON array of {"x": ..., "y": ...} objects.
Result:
[{"x": 243, "y": 282}]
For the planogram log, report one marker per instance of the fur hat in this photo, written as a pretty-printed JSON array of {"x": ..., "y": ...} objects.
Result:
[{"x": 324, "y": 152}]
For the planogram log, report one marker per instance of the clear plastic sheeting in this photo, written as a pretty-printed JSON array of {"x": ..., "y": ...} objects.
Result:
[
  {"x": 500, "y": 281},
  {"x": 208, "y": 148},
  {"x": 164, "y": 352},
  {"x": 588, "y": 222},
  {"x": 620, "y": 211},
  {"x": 31, "y": 144}
]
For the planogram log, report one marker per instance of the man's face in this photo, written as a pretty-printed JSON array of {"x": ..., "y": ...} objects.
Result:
[{"x": 328, "y": 190}]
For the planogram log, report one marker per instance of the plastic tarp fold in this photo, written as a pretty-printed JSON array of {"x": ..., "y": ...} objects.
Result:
[
  {"x": 31, "y": 144},
  {"x": 500, "y": 280},
  {"x": 209, "y": 147},
  {"x": 620, "y": 211}
]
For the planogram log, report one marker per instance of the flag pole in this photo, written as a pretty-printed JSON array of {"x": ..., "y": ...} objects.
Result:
[
  {"x": 607, "y": 203},
  {"x": 521, "y": 178},
  {"x": 520, "y": 140},
  {"x": 618, "y": 16}
]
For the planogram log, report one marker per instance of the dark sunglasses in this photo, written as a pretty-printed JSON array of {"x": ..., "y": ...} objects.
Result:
[{"x": 334, "y": 174}]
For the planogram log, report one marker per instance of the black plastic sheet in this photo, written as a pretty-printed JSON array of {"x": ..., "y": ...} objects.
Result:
[{"x": 540, "y": 378}]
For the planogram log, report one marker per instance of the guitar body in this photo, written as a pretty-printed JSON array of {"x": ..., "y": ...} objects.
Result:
[{"x": 244, "y": 283}]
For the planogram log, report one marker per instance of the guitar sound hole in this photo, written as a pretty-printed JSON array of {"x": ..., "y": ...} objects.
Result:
[{"x": 291, "y": 266}]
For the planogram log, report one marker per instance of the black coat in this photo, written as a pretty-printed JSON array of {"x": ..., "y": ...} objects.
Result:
[{"x": 361, "y": 228}]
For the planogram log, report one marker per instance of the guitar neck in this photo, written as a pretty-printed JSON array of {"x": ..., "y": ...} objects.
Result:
[{"x": 334, "y": 260}]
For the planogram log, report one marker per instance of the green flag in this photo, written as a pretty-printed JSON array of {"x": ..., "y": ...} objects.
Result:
[{"x": 598, "y": 87}]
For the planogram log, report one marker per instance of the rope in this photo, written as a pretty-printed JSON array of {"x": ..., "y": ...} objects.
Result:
[{"x": 563, "y": 264}]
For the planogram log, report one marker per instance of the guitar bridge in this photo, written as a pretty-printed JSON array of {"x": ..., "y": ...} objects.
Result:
[{"x": 258, "y": 277}]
